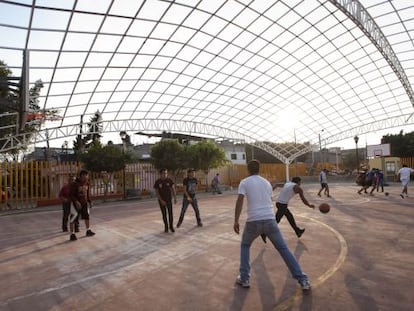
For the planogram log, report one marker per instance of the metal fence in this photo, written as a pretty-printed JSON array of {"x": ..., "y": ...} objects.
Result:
[{"x": 37, "y": 183}]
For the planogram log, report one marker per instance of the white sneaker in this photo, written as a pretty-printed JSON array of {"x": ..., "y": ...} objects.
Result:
[
  {"x": 245, "y": 284},
  {"x": 305, "y": 284}
]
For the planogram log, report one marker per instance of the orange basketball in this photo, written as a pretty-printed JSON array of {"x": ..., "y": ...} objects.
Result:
[{"x": 324, "y": 208}]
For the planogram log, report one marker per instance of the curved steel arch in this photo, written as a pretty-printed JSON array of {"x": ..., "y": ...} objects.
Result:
[
  {"x": 370, "y": 127},
  {"x": 360, "y": 16}
]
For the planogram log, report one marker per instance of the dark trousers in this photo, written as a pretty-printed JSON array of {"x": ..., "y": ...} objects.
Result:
[
  {"x": 184, "y": 209},
  {"x": 282, "y": 210},
  {"x": 170, "y": 220},
  {"x": 66, "y": 214}
]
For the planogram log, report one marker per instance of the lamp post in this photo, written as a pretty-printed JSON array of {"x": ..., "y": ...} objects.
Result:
[
  {"x": 356, "y": 138},
  {"x": 321, "y": 154},
  {"x": 123, "y": 136}
]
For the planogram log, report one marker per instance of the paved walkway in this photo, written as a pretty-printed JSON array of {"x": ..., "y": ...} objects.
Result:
[{"x": 358, "y": 257}]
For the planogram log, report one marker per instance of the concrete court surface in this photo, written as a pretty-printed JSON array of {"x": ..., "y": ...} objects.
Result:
[{"x": 359, "y": 257}]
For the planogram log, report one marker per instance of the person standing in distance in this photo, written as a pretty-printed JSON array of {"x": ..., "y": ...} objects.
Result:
[
  {"x": 189, "y": 197},
  {"x": 324, "y": 183},
  {"x": 64, "y": 196},
  {"x": 260, "y": 220},
  {"x": 81, "y": 203},
  {"x": 165, "y": 191},
  {"x": 215, "y": 184},
  {"x": 404, "y": 175}
]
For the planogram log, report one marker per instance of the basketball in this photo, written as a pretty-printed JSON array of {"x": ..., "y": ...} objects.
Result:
[{"x": 324, "y": 208}]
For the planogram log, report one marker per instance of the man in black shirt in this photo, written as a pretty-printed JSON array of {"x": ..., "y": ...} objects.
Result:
[
  {"x": 190, "y": 187},
  {"x": 165, "y": 191}
]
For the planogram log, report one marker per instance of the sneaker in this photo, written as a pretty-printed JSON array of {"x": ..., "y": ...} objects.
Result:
[
  {"x": 305, "y": 284},
  {"x": 172, "y": 230},
  {"x": 200, "y": 224},
  {"x": 73, "y": 237},
  {"x": 64, "y": 229},
  {"x": 401, "y": 195},
  {"x": 244, "y": 284},
  {"x": 300, "y": 232},
  {"x": 179, "y": 224},
  {"x": 89, "y": 232},
  {"x": 319, "y": 194}
]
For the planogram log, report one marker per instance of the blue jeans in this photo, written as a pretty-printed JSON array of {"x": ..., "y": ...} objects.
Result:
[
  {"x": 184, "y": 209},
  {"x": 268, "y": 227}
]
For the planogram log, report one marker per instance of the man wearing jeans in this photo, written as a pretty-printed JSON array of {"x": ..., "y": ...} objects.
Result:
[
  {"x": 260, "y": 220},
  {"x": 189, "y": 197}
]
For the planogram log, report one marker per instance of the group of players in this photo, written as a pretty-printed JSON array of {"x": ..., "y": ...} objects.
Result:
[{"x": 260, "y": 220}]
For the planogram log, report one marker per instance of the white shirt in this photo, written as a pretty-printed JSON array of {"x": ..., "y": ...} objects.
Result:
[
  {"x": 322, "y": 177},
  {"x": 405, "y": 173},
  {"x": 286, "y": 193},
  {"x": 258, "y": 192}
]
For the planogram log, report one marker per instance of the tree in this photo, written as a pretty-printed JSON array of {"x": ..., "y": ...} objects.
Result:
[
  {"x": 169, "y": 154},
  {"x": 105, "y": 160},
  {"x": 12, "y": 110},
  {"x": 206, "y": 155},
  {"x": 401, "y": 145},
  {"x": 92, "y": 137}
]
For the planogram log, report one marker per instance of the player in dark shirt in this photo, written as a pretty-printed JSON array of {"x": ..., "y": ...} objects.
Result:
[
  {"x": 190, "y": 187},
  {"x": 165, "y": 191}
]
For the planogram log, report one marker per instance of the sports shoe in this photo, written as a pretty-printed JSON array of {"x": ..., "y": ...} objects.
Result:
[
  {"x": 305, "y": 284},
  {"x": 401, "y": 195},
  {"x": 300, "y": 232},
  {"x": 200, "y": 224},
  {"x": 172, "y": 230},
  {"x": 244, "y": 284},
  {"x": 319, "y": 194},
  {"x": 73, "y": 237},
  {"x": 179, "y": 224},
  {"x": 89, "y": 232}
]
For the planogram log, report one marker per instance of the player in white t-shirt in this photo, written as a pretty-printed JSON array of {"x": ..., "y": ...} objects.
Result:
[
  {"x": 404, "y": 175},
  {"x": 260, "y": 220}
]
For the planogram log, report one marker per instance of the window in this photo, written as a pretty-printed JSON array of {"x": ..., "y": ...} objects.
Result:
[{"x": 233, "y": 156}]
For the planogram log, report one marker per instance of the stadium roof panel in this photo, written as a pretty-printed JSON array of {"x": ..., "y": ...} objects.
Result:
[{"x": 275, "y": 71}]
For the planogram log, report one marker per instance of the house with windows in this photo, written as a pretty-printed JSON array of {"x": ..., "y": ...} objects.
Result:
[{"x": 235, "y": 152}]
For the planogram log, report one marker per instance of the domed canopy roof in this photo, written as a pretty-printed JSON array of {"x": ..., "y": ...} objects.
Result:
[{"x": 257, "y": 71}]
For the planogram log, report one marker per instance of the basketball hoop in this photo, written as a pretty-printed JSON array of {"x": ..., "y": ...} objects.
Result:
[
  {"x": 378, "y": 153},
  {"x": 42, "y": 117}
]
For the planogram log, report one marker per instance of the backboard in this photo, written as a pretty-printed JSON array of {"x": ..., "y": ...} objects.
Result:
[{"x": 382, "y": 150}]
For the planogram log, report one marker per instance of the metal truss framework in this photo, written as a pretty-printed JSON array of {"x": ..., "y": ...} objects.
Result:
[
  {"x": 209, "y": 131},
  {"x": 205, "y": 85},
  {"x": 360, "y": 16}
]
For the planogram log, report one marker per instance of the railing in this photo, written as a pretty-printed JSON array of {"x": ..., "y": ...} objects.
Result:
[{"x": 35, "y": 184}]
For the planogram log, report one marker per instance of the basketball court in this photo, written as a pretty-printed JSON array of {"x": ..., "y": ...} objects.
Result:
[{"x": 358, "y": 257}]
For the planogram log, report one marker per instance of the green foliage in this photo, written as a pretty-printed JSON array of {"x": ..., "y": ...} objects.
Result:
[
  {"x": 108, "y": 158},
  {"x": 11, "y": 109},
  {"x": 170, "y": 154},
  {"x": 402, "y": 145},
  {"x": 83, "y": 142},
  {"x": 206, "y": 155}
]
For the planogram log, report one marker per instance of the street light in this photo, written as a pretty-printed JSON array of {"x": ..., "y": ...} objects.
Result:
[
  {"x": 123, "y": 136},
  {"x": 321, "y": 154},
  {"x": 356, "y": 138}
]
